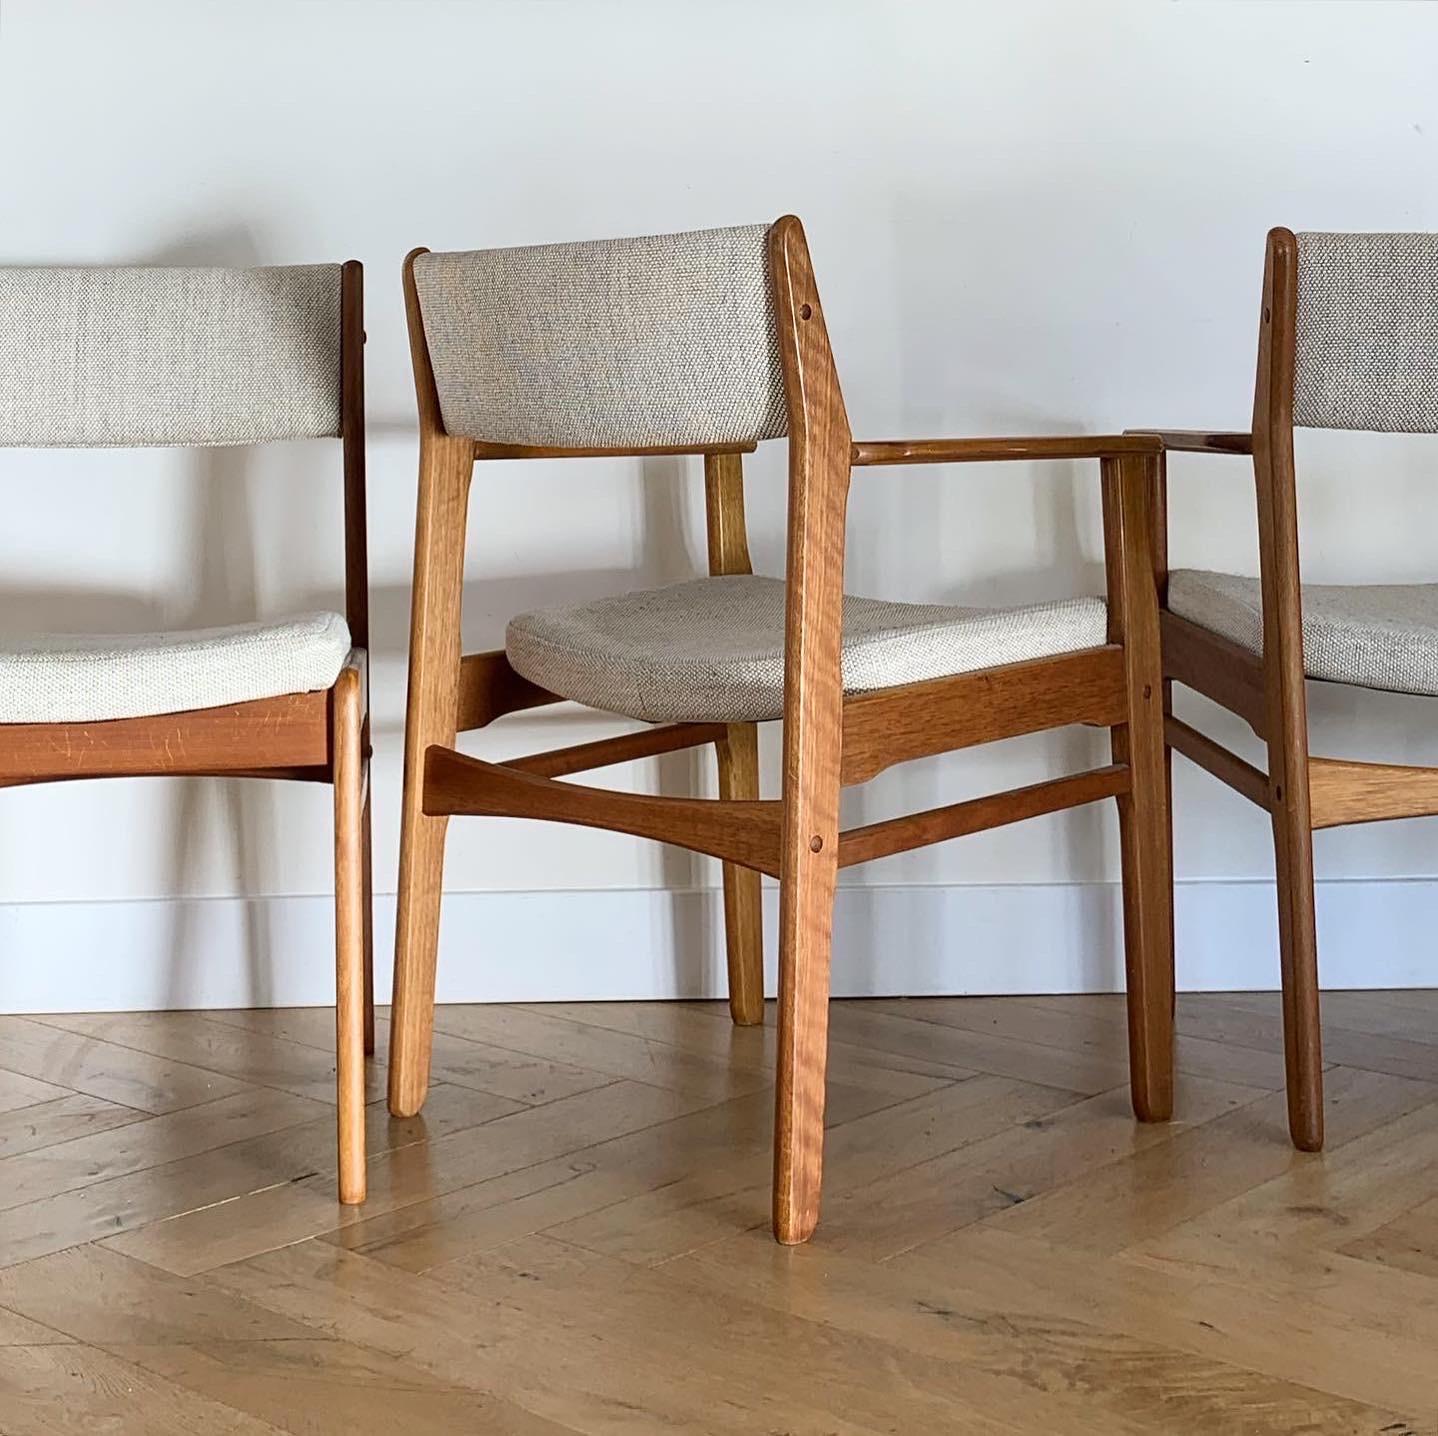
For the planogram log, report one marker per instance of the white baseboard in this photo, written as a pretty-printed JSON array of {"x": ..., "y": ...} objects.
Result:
[{"x": 539, "y": 946}]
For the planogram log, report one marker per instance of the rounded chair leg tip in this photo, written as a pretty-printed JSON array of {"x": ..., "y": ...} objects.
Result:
[
  {"x": 791, "y": 1231},
  {"x": 406, "y": 1104}
]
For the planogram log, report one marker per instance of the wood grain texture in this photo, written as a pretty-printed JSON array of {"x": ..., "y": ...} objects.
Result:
[
  {"x": 1130, "y": 492},
  {"x": 917, "y": 720},
  {"x": 976, "y": 815},
  {"x": 1200, "y": 441},
  {"x": 431, "y": 717},
  {"x": 604, "y": 752},
  {"x": 819, "y": 442},
  {"x": 1341, "y": 791},
  {"x": 1002, "y": 1249},
  {"x": 1226, "y": 766},
  {"x": 353, "y": 991},
  {"x": 1285, "y": 695},
  {"x": 1216, "y": 667},
  {"x": 737, "y": 751},
  {"x": 993, "y": 450},
  {"x": 268, "y": 737},
  {"x": 746, "y": 833},
  {"x": 489, "y": 688}
]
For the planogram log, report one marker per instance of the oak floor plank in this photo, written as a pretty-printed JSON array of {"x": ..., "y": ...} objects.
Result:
[
  {"x": 971, "y": 1315},
  {"x": 99, "y": 1156},
  {"x": 572, "y": 1236},
  {"x": 78, "y": 1063},
  {"x": 47, "y": 1124},
  {"x": 333, "y": 1388},
  {"x": 1409, "y": 1242},
  {"x": 710, "y": 1203},
  {"x": 693, "y": 1028},
  {"x": 1014, "y": 1167},
  {"x": 103, "y": 1297},
  {"x": 1161, "y": 1188},
  {"x": 619, "y": 1054},
  {"x": 1251, "y": 1329},
  {"x": 250, "y": 1057},
  {"x": 297, "y": 1198},
  {"x": 1256, "y": 1020},
  {"x": 77, "y": 1390},
  {"x": 1086, "y": 1072},
  {"x": 456, "y": 1060},
  {"x": 566, "y": 1370},
  {"x": 723, "y": 1137},
  {"x": 1102, "y": 1031}
]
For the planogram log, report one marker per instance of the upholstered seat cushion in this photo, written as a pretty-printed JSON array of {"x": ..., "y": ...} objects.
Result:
[
  {"x": 713, "y": 649},
  {"x": 68, "y": 678},
  {"x": 1371, "y": 635}
]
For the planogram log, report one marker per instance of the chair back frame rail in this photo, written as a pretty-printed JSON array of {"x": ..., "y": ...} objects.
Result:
[
  {"x": 319, "y": 737},
  {"x": 1301, "y": 792},
  {"x": 829, "y": 740}
]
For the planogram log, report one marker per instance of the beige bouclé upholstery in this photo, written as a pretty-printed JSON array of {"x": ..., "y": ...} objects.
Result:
[
  {"x": 626, "y": 343},
  {"x": 713, "y": 649},
  {"x": 1366, "y": 355},
  {"x": 97, "y": 358},
  {"x": 1370, "y": 635},
  {"x": 69, "y": 678}
]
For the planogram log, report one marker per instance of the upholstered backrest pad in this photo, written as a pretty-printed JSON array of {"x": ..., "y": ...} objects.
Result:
[
  {"x": 626, "y": 343},
  {"x": 118, "y": 356},
  {"x": 1367, "y": 332}
]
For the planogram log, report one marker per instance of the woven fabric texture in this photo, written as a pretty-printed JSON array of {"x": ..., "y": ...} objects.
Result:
[
  {"x": 1372, "y": 636},
  {"x": 99, "y": 358},
  {"x": 624, "y": 343},
  {"x": 712, "y": 650},
  {"x": 1367, "y": 354},
  {"x": 69, "y": 678}
]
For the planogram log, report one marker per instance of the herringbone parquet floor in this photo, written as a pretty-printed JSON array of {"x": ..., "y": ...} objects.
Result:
[{"x": 572, "y": 1238}]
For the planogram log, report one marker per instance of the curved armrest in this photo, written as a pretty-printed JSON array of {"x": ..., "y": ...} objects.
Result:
[
  {"x": 973, "y": 451},
  {"x": 1200, "y": 441}
]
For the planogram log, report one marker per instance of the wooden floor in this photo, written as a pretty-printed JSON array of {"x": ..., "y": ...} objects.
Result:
[{"x": 573, "y": 1237}]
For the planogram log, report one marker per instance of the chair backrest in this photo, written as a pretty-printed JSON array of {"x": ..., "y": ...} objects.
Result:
[
  {"x": 1366, "y": 354},
  {"x": 665, "y": 341},
  {"x": 107, "y": 357}
]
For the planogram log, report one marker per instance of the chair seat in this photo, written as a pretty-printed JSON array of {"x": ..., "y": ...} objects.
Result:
[
  {"x": 73, "y": 678},
  {"x": 712, "y": 650},
  {"x": 1371, "y": 635}
]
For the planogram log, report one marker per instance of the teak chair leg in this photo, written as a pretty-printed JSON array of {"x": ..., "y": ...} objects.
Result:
[
  {"x": 431, "y": 718},
  {"x": 1298, "y": 957},
  {"x": 1130, "y": 489},
  {"x": 738, "y": 754},
  {"x": 806, "y": 919},
  {"x": 367, "y": 868},
  {"x": 351, "y": 799}
]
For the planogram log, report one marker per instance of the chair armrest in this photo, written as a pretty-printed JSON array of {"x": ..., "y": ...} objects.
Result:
[
  {"x": 1200, "y": 441},
  {"x": 973, "y": 451}
]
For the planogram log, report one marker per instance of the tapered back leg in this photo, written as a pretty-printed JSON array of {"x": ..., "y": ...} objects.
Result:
[
  {"x": 431, "y": 718},
  {"x": 738, "y": 756},
  {"x": 1130, "y": 501}
]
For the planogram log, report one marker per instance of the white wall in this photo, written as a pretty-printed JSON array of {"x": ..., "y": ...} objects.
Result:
[{"x": 1035, "y": 216}]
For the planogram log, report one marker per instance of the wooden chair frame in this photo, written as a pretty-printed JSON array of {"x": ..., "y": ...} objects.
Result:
[
  {"x": 829, "y": 740},
  {"x": 321, "y": 737},
  {"x": 1301, "y": 792}
]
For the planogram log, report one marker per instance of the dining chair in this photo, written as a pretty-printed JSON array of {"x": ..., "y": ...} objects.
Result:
[
  {"x": 1348, "y": 339},
  {"x": 160, "y": 357},
  {"x": 709, "y": 343}
]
